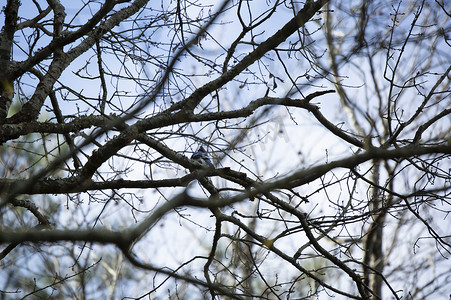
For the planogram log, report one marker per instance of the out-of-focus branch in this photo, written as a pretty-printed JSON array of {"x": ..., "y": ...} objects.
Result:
[{"x": 13, "y": 131}]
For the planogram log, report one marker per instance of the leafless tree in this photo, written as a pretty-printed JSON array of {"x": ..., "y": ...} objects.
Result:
[{"x": 328, "y": 125}]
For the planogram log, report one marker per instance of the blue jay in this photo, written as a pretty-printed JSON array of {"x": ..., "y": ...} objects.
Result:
[{"x": 201, "y": 156}]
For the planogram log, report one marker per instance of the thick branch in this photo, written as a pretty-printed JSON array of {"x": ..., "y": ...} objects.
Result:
[
  {"x": 31, "y": 109},
  {"x": 13, "y": 131},
  {"x": 304, "y": 15},
  {"x": 59, "y": 41},
  {"x": 71, "y": 185},
  {"x": 308, "y": 175}
]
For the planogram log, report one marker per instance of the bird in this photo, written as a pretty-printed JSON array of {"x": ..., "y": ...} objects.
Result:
[{"x": 201, "y": 156}]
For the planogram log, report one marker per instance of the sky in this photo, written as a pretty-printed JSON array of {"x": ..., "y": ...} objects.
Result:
[{"x": 292, "y": 140}]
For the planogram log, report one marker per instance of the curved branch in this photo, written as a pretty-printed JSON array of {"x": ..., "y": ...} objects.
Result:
[
  {"x": 31, "y": 109},
  {"x": 304, "y": 15},
  {"x": 60, "y": 41}
]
